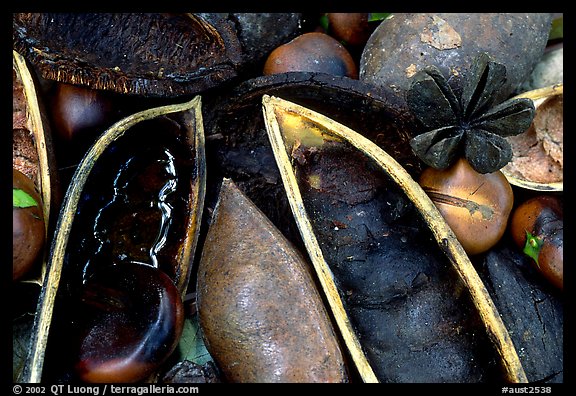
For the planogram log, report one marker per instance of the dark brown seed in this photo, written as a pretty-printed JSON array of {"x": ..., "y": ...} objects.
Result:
[
  {"x": 130, "y": 319},
  {"x": 313, "y": 52},
  {"x": 262, "y": 317},
  {"x": 28, "y": 229}
]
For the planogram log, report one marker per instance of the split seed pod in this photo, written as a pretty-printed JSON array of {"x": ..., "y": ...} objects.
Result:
[
  {"x": 537, "y": 162},
  {"x": 148, "y": 54},
  {"x": 33, "y": 156},
  {"x": 262, "y": 316},
  {"x": 472, "y": 125},
  {"x": 403, "y": 292},
  {"x": 135, "y": 201},
  {"x": 33, "y": 152}
]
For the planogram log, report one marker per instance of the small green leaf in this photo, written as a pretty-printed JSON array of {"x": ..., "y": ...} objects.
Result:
[
  {"x": 532, "y": 247},
  {"x": 378, "y": 16},
  {"x": 324, "y": 23},
  {"x": 191, "y": 346},
  {"x": 557, "y": 29},
  {"x": 21, "y": 199}
]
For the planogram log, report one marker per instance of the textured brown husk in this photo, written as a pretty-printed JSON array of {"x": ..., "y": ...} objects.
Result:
[{"x": 149, "y": 54}]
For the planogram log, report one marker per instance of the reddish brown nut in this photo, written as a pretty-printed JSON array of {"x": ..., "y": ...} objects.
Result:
[
  {"x": 351, "y": 28},
  {"x": 130, "y": 320},
  {"x": 476, "y": 206},
  {"x": 78, "y": 112},
  {"x": 537, "y": 227},
  {"x": 28, "y": 226},
  {"x": 312, "y": 52}
]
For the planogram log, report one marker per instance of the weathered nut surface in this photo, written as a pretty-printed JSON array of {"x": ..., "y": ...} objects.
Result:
[
  {"x": 407, "y": 42},
  {"x": 262, "y": 317}
]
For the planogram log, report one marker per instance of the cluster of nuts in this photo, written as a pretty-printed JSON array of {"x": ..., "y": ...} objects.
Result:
[{"x": 461, "y": 154}]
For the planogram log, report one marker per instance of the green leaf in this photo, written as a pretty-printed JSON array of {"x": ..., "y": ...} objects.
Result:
[
  {"x": 21, "y": 199},
  {"x": 191, "y": 346},
  {"x": 532, "y": 247},
  {"x": 557, "y": 29},
  {"x": 324, "y": 23},
  {"x": 378, "y": 16}
]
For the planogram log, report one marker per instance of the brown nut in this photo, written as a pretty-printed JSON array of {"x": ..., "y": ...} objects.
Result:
[
  {"x": 28, "y": 227},
  {"x": 353, "y": 28},
  {"x": 79, "y": 111},
  {"x": 130, "y": 320},
  {"x": 476, "y": 206},
  {"x": 537, "y": 227},
  {"x": 313, "y": 52},
  {"x": 262, "y": 317}
]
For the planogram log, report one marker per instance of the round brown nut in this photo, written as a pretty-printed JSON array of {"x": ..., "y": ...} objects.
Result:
[
  {"x": 312, "y": 52},
  {"x": 476, "y": 206},
  {"x": 28, "y": 227}
]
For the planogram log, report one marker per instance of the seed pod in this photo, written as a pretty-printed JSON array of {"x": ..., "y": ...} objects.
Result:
[
  {"x": 33, "y": 152},
  {"x": 148, "y": 54},
  {"x": 532, "y": 310},
  {"x": 138, "y": 177},
  {"x": 238, "y": 147},
  {"x": 262, "y": 316},
  {"x": 33, "y": 156},
  {"x": 391, "y": 269},
  {"x": 537, "y": 162}
]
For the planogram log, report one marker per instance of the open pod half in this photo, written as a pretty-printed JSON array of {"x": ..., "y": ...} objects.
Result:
[
  {"x": 538, "y": 154},
  {"x": 149, "y": 54},
  {"x": 33, "y": 157},
  {"x": 408, "y": 302},
  {"x": 32, "y": 141},
  {"x": 122, "y": 251},
  {"x": 36, "y": 124}
]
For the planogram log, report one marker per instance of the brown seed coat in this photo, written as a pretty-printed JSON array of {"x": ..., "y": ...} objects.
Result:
[{"x": 263, "y": 318}]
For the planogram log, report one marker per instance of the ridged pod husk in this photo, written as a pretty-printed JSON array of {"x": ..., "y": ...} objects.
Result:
[
  {"x": 161, "y": 150},
  {"x": 237, "y": 145},
  {"x": 33, "y": 155},
  {"x": 262, "y": 316},
  {"x": 408, "y": 302},
  {"x": 149, "y": 54},
  {"x": 537, "y": 160}
]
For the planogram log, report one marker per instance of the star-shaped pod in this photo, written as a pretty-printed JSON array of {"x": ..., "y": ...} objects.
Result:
[{"x": 472, "y": 125}]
